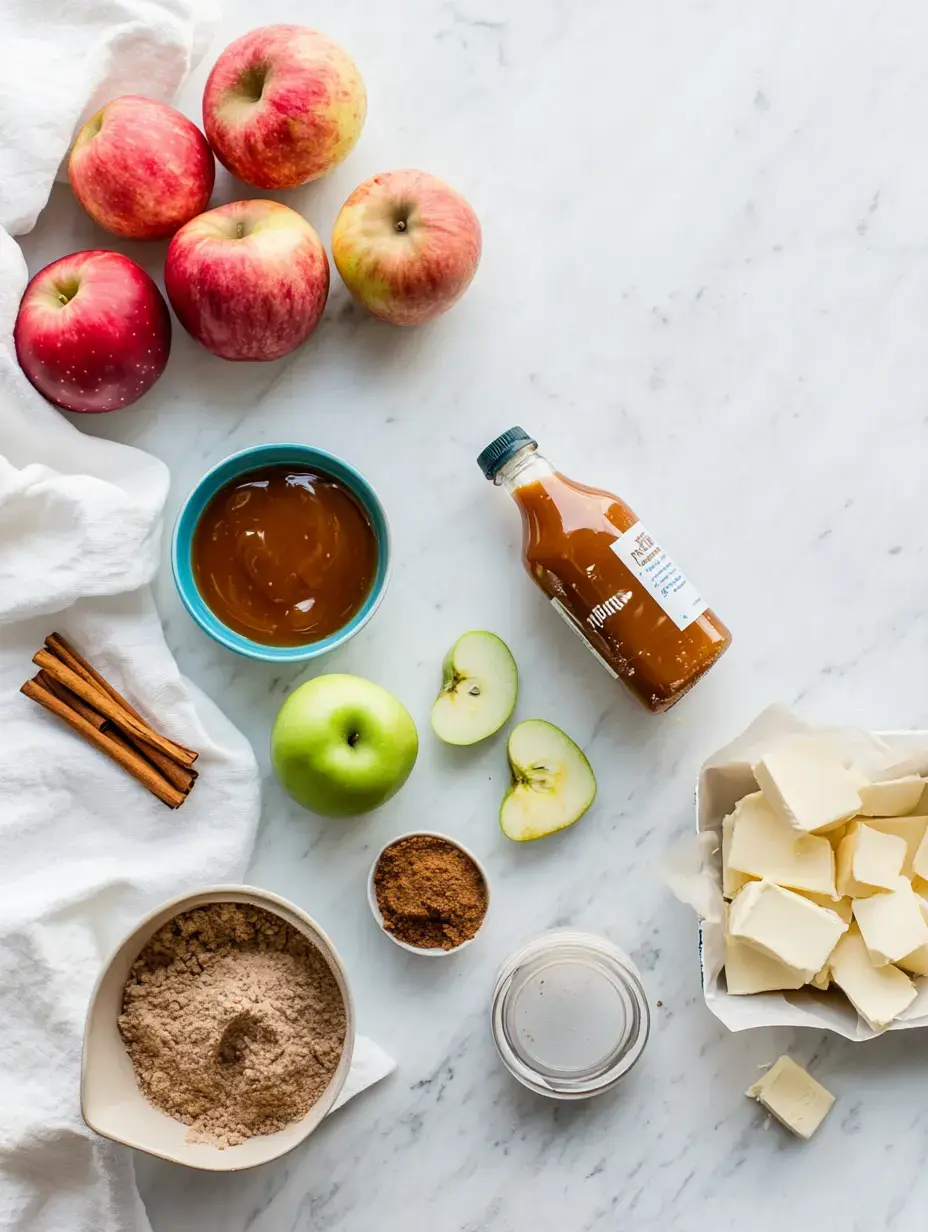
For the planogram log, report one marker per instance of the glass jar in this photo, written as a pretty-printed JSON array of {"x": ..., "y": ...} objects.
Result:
[{"x": 569, "y": 1014}]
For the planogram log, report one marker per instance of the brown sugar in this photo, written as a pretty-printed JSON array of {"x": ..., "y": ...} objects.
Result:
[
  {"x": 233, "y": 1021},
  {"x": 430, "y": 893}
]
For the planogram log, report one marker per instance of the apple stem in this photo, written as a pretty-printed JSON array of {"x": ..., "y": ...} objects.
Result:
[
  {"x": 400, "y": 225},
  {"x": 354, "y": 738},
  {"x": 66, "y": 288},
  {"x": 252, "y": 82}
]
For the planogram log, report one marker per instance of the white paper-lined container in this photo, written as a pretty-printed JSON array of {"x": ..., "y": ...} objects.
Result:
[{"x": 695, "y": 873}]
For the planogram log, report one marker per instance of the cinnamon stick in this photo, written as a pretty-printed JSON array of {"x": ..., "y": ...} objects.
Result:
[
  {"x": 63, "y": 650},
  {"x": 94, "y": 704},
  {"x": 86, "y": 712},
  {"x": 72, "y": 700},
  {"x": 128, "y": 722},
  {"x": 117, "y": 751},
  {"x": 182, "y": 778}
]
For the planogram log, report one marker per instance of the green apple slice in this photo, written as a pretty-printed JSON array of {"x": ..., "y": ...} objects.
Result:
[
  {"x": 553, "y": 784},
  {"x": 480, "y": 683}
]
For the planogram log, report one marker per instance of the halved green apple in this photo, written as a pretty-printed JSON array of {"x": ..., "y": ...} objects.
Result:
[
  {"x": 553, "y": 784},
  {"x": 480, "y": 683}
]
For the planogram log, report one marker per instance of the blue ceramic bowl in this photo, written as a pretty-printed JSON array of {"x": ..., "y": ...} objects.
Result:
[{"x": 239, "y": 464}]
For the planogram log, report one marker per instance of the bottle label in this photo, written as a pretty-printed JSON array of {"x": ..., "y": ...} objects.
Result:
[
  {"x": 566, "y": 616},
  {"x": 646, "y": 560}
]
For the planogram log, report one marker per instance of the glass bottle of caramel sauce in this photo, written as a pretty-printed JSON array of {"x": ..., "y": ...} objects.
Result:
[{"x": 607, "y": 576}]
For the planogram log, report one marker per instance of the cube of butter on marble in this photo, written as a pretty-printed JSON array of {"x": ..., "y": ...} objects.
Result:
[
  {"x": 911, "y": 830},
  {"x": 764, "y": 846},
  {"x": 793, "y": 1096},
  {"x": 893, "y": 798},
  {"x": 807, "y": 784},
  {"x": 891, "y": 923},
  {"x": 869, "y": 860},
  {"x": 879, "y": 994},
  {"x": 785, "y": 926}
]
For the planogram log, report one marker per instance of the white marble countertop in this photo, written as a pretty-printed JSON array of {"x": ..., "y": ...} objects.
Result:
[{"x": 703, "y": 286}]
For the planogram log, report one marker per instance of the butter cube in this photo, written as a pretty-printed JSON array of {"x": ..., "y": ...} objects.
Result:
[
  {"x": 807, "y": 784},
  {"x": 890, "y": 799},
  {"x": 920, "y": 860},
  {"x": 910, "y": 829},
  {"x": 879, "y": 994},
  {"x": 845, "y": 909},
  {"x": 891, "y": 923},
  {"x": 869, "y": 860},
  {"x": 843, "y": 906},
  {"x": 748, "y": 971},
  {"x": 917, "y": 961},
  {"x": 732, "y": 881},
  {"x": 785, "y": 926},
  {"x": 762, "y": 845},
  {"x": 793, "y": 1096},
  {"x": 822, "y": 979}
]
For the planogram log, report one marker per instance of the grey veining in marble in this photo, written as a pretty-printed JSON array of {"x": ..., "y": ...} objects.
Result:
[{"x": 704, "y": 285}]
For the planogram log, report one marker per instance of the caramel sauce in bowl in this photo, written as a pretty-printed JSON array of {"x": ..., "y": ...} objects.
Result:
[{"x": 281, "y": 552}]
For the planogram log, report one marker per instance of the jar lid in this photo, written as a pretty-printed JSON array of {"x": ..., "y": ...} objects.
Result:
[
  {"x": 506, "y": 446},
  {"x": 570, "y": 1016}
]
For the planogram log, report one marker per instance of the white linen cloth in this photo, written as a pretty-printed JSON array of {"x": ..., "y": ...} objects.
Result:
[{"x": 84, "y": 850}]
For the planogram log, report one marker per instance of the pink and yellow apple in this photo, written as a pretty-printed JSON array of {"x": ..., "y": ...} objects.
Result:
[
  {"x": 141, "y": 169},
  {"x": 93, "y": 331},
  {"x": 248, "y": 280},
  {"x": 282, "y": 106},
  {"x": 407, "y": 246}
]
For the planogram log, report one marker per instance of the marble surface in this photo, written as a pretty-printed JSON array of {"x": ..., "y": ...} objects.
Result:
[{"x": 704, "y": 286}]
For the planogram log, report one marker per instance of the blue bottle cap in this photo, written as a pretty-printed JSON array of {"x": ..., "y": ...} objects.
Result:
[{"x": 498, "y": 452}]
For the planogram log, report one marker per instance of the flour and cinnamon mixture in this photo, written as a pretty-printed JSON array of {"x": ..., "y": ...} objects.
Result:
[{"x": 233, "y": 1021}]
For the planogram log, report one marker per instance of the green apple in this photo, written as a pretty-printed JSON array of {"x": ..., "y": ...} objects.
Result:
[
  {"x": 553, "y": 784},
  {"x": 342, "y": 745},
  {"x": 480, "y": 682}
]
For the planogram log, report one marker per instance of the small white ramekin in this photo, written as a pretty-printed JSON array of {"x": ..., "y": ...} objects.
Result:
[{"x": 435, "y": 952}]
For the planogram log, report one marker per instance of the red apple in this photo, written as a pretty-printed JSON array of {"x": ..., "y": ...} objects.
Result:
[
  {"x": 93, "y": 331},
  {"x": 248, "y": 280},
  {"x": 141, "y": 169},
  {"x": 282, "y": 106},
  {"x": 407, "y": 246}
]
